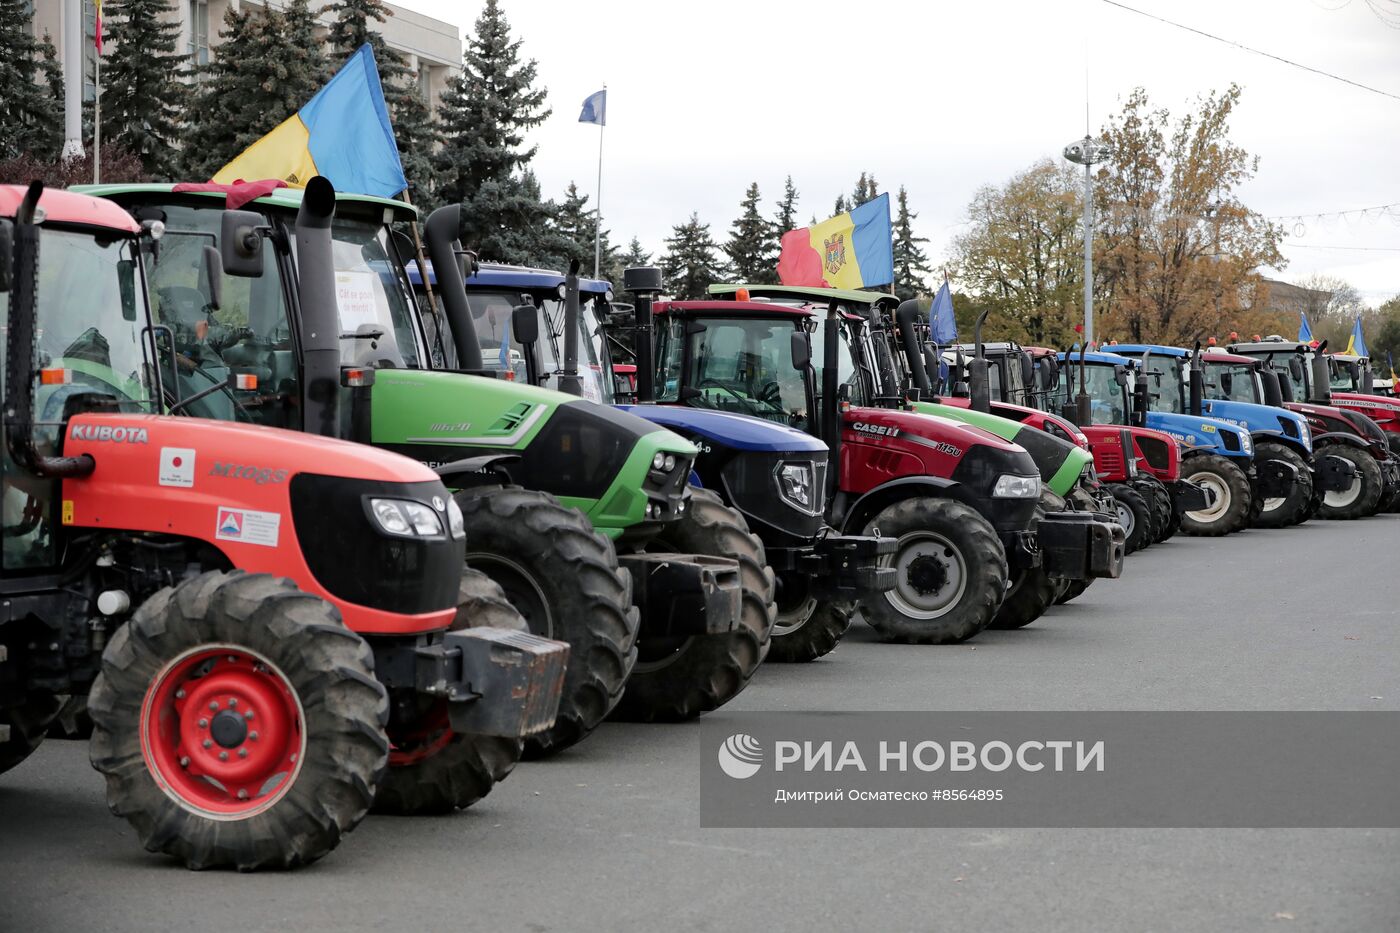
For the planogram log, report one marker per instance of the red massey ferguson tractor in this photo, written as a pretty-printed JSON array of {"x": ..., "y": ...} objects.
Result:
[{"x": 272, "y": 629}]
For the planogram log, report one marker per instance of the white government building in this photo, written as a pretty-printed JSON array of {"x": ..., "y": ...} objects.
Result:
[{"x": 433, "y": 48}]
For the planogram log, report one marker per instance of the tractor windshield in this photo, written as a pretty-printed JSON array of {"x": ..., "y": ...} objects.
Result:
[
  {"x": 91, "y": 311},
  {"x": 590, "y": 371},
  {"x": 248, "y": 334},
  {"x": 376, "y": 322},
  {"x": 1345, "y": 375},
  {"x": 1231, "y": 382},
  {"x": 736, "y": 364},
  {"x": 1108, "y": 398},
  {"x": 1165, "y": 387}
]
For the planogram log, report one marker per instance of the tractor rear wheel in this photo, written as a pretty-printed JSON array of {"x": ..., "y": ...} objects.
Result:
[
  {"x": 678, "y": 679},
  {"x": 807, "y": 628},
  {"x": 28, "y": 722},
  {"x": 563, "y": 577},
  {"x": 1283, "y": 511},
  {"x": 1363, "y": 496},
  {"x": 431, "y": 768},
  {"x": 951, "y": 572},
  {"x": 72, "y": 721},
  {"x": 1230, "y": 512},
  {"x": 238, "y": 723},
  {"x": 1134, "y": 515}
]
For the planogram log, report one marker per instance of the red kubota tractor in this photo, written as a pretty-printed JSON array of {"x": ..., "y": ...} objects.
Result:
[{"x": 271, "y": 628}]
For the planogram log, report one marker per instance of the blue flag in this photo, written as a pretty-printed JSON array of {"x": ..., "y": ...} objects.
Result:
[
  {"x": 943, "y": 327},
  {"x": 595, "y": 109},
  {"x": 1304, "y": 329}
]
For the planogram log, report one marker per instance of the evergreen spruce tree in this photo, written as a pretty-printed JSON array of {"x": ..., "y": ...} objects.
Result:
[
  {"x": 269, "y": 65},
  {"x": 143, "y": 95},
  {"x": 630, "y": 258},
  {"x": 574, "y": 222},
  {"x": 484, "y": 115},
  {"x": 29, "y": 113},
  {"x": 840, "y": 207},
  {"x": 911, "y": 269},
  {"x": 786, "y": 218},
  {"x": 692, "y": 262},
  {"x": 752, "y": 247},
  {"x": 414, "y": 129}
]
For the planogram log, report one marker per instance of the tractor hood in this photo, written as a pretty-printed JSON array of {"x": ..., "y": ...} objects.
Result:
[
  {"x": 1203, "y": 433},
  {"x": 1260, "y": 420},
  {"x": 740, "y": 432}
]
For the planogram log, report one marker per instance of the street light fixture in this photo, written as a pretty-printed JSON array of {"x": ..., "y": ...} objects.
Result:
[{"x": 1087, "y": 152}]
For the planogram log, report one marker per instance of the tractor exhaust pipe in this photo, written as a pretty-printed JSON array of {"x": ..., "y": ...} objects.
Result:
[
  {"x": 831, "y": 405},
  {"x": 643, "y": 283},
  {"x": 1083, "y": 405},
  {"x": 1321, "y": 376},
  {"x": 568, "y": 379},
  {"x": 1198, "y": 382},
  {"x": 904, "y": 317},
  {"x": 19, "y": 254},
  {"x": 320, "y": 318},
  {"x": 441, "y": 233},
  {"x": 1273, "y": 382},
  {"x": 978, "y": 370}
]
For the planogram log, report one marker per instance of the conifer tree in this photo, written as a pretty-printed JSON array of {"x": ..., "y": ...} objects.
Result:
[
  {"x": 484, "y": 115},
  {"x": 575, "y": 222},
  {"x": 143, "y": 96},
  {"x": 840, "y": 207},
  {"x": 752, "y": 246},
  {"x": 786, "y": 218},
  {"x": 692, "y": 262},
  {"x": 415, "y": 131},
  {"x": 911, "y": 268},
  {"x": 30, "y": 115},
  {"x": 629, "y": 258},
  {"x": 269, "y": 65}
]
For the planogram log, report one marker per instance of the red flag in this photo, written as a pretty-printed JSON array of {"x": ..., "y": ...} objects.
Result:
[{"x": 98, "y": 4}]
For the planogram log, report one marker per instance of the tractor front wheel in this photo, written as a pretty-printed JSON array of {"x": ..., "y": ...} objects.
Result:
[
  {"x": 1363, "y": 496},
  {"x": 678, "y": 679},
  {"x": 1134, "y": 515},
  {"x": 431, "y": 768},
  {"x": 563, "y": 577},
  {"x": 1230, "y": 511},
  {"x": 950, "y": 571},
  {"x": 238, "y": 723},
  {"x": 806, "y": 628},
  {"x": 1283, "y": 511}
]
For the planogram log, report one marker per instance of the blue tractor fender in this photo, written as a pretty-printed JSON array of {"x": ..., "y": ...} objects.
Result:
[{"x": 850, "y": 517}]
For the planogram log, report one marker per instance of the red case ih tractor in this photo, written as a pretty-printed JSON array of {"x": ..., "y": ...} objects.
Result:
[{"x": 273, "y": 628}]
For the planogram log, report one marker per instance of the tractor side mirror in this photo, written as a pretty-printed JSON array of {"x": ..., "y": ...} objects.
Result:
[
  {"x": 1027, "y": 369},
  {"x": 1227, "y": 383},
  {"x": 525, "y": 324},
  {"x": 1295, "y": 368},
  {"x": 801, "y": 350},
  {"x": 240, "y": 243},
  {"x": 7, "y": 254},
  {"x": 1050, "y": 372},
  {"x": 1120, "y": 375},
  {"x": 1354, "y": 371},
  {"x": 211, "y": 275}
]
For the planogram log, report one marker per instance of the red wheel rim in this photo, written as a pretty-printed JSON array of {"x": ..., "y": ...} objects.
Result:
[
  {"x": 429, "y": 735},
  {"x": 222, "y": 732}
]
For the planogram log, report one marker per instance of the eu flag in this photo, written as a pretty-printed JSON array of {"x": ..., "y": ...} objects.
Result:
[
  {"x": 595, "y": 108},
  {"x": 943, "y": 327}
]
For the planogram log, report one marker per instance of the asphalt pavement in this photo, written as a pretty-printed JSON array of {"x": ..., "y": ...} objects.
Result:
[{"x": 606, "y": 836}]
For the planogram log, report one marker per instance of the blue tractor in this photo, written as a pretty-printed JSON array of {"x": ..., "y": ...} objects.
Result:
[
  {"x": 548, "y": 328},
  {"x": 1216, "y": 455},
  {"x": 1282, "y": 485}
]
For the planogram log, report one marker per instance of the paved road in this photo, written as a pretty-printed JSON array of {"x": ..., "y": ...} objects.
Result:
[{"x": 606, "y": 837}]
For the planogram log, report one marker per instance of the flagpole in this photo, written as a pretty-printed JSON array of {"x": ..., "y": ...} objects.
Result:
[
  {"x": 97, "y": 111},
  {"x": 598, "y": 206},
  {"x": 422, "y": 261}
]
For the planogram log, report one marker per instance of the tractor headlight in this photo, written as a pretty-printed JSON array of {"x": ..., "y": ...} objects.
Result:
[
  {"x": 663, "y": 461},
  {"x": 1132, "y": 464},
  {"x": 455, "y": 522},
  {"x": 670, "y": 463},
  {"x": 1306, "y": 436},
  {"x": 795, "y": 484},
  {"x": 1245, "y": 443},
  {"x": 1011, "y": 486},
  {"x": 406, "y": 518}
]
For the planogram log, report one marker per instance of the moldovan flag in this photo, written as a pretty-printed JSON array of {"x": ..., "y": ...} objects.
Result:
[
  {"x": 342, "y": 133},
  {"x": 851, "y": 250},
  {"x": 1356, "y": 346}
]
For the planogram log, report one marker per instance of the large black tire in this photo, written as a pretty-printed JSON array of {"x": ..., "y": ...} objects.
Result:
[
  {"x": 807, "y": 628},
  {"x": 1160, "y": 501},
  {"x": 952, "y": 573},
  {"x": 1367, "y": 489},
  {"x": 563, "y": 577},
  {"x": 1082, "y": 501},
  {"x": 72, "y": 721},
  {"x": 1032, "y": 592},
  {"x": 1073, "y": 590},
  {"x": 1134, "y": 515},
  {"x": 678, "y": 679},
  {"x": 292, "y": 645},
  {"x": 28, "y": 724},
  {"x": 1230, "y": 513},
  {"x": 431, "y": 768},
  {"x": 1287, "y": 510}
]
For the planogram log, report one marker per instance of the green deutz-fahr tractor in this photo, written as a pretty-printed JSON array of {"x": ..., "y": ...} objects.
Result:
[{"x": 580, "y": 512}]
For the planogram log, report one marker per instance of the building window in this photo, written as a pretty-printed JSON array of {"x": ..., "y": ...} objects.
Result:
[
  {"x": 198, "y": 48},
  {"x": 425, "y": 84}
]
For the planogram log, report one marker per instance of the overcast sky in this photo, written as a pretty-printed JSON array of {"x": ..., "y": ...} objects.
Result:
[{"x": 944, "y": 97}]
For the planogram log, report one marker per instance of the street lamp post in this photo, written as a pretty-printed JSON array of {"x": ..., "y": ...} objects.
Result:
[{"x": 1087, "y": 152}]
